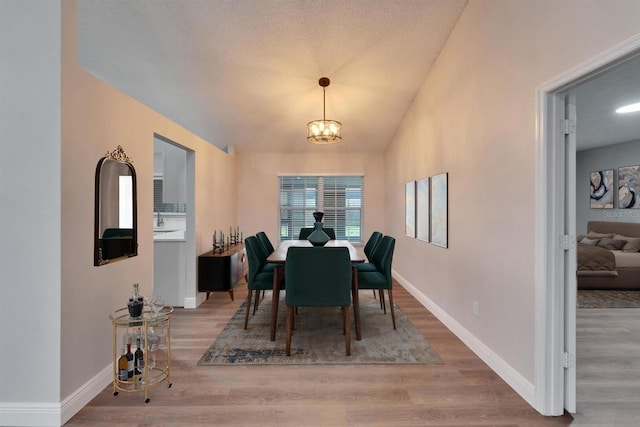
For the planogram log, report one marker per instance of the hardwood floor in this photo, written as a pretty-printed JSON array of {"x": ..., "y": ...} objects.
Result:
[
  {"x": 461, "y": 392},
  {"x": 608, "y": 367}
]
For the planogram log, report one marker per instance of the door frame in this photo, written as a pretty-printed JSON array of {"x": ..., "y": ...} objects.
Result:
[
  {"x": 190, "y": 285},
  {"x": 550, "y": 285}
]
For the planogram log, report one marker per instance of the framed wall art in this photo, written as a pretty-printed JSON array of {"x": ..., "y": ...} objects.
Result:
[
  {"x": 422, "y": 209},
  {"x": 601, "y": 189},
  {"x": 629, "y": 187},
  {"x": 439, "y": 210},
  {"x": 410, "y": 208}
]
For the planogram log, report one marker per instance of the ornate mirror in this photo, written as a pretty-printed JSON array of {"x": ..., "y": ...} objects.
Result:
[{"x": 116, "y": 217}]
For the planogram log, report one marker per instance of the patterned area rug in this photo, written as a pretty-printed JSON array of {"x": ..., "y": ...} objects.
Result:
[
  {"x": 318, "y": 339},
  {"x": 608, "y": 299}
]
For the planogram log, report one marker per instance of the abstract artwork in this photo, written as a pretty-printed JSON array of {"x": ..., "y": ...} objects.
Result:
[
  {"x": 422, "y": 209},
  {"x": 410, "y": 208},
  {"x": 439, "y": 202},
  {"x": 629, "y": 187},
  {"x": 601, "y": 189}
]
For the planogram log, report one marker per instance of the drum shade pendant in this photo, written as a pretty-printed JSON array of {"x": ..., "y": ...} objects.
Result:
[{"x": 324, "y": 131}]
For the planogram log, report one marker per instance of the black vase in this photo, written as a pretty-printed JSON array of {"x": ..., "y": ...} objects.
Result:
[{"x": 318, "y": 237}]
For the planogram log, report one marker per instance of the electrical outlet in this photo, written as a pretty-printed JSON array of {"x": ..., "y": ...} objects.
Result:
[{"x": 476, "y": 308}]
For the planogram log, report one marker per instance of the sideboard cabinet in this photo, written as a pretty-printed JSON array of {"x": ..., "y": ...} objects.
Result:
[{"x": 221, "y": 271}]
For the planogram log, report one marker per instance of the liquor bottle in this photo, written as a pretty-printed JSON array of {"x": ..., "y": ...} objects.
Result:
[
  {"x": 139, "y": 357},
  {"x": 135, "y": 295},
  {"x": 123, "y": 365},
  {"x": 136, "y": 302},
  {"x": 129, "y": 356}
]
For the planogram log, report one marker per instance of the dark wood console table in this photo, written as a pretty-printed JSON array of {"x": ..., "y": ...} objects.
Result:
[{"x": 220, "y": 271}]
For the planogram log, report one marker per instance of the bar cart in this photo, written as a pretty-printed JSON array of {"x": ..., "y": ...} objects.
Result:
[{"x": 152, "y": 330}]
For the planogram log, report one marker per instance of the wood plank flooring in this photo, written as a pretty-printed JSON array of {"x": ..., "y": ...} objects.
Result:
[
  {"x": 608, "y": 367},
  {"x": 461, "y": 392}
]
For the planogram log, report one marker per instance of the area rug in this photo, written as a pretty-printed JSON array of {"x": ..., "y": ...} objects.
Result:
[
  {"x": 608, "y": 299},
  {"x": 318, "y": 339}
]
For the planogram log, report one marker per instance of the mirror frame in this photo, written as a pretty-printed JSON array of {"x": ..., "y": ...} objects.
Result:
[{"x": 118, "y": 155}]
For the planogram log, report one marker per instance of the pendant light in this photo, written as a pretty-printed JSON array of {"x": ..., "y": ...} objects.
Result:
[{"x": 324, "y": 131}]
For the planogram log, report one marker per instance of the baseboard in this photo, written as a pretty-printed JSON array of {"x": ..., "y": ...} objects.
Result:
[
  {"x": 79, "y": 398},
  {"x": 54, "y": 414},
  {"x": 512, "y": 377},
  {"x": 191, "y": 302}
]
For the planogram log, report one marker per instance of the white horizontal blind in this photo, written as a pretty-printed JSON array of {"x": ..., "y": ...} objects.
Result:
[{"x": 339, "y": 197}]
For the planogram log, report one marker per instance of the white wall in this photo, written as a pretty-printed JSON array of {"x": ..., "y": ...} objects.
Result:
[
  {"x": 58, "y": 121},
  {"x": 475, "y": 118},
  {"x": 29, "y": 204},
  {"x": 610, "y": 157},
  {"x": 258, "y": 185}
]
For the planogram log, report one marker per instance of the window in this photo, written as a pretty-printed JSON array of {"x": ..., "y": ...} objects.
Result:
[
  {"x": 339, "y": 197},
  {"x": 159, "y": 205}
]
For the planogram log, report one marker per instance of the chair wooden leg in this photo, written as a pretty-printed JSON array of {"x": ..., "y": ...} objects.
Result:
[
  {"x": 347, "y": 328},
  {"x": 383, "y": 301},
  {"x": 246, "y": 315},
  {"x": 374, "y": 293},
  {"x": 289, "y": 329},
  {"x": 256, "y": 302},
  {"x": 393, "y": 313}
]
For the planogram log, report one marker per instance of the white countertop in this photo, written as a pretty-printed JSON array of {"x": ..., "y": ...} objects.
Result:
[{"x": 168, "y": 235}]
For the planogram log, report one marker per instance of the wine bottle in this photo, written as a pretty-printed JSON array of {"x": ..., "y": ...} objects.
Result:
[
  {"x": 129, "y": 356},
  {"x": 123, "y": 365},
  {"x": 139, "y": 357}
]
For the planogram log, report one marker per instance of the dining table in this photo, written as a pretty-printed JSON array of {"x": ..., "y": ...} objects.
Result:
[{"x": 279, "y": 256}]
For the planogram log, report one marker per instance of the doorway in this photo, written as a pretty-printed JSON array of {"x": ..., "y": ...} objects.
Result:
[
  {"x": 556, "y": 230},
  {"x": 174, "y": 223}
]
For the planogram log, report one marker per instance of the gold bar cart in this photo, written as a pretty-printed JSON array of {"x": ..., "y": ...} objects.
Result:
[{"x": 154, "y": 331}]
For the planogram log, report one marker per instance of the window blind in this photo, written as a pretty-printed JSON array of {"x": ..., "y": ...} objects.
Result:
[{"x": 339, "y": 197}]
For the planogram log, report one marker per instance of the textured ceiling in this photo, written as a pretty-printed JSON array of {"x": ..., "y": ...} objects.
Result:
[{"x": 245, "y": 72}]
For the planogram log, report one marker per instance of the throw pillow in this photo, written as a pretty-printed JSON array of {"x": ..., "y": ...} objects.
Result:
[
  {"x": 611, "y": 244},
  {"x": 588, "y": 241},
  {"x": 632, "y": 245},
  {"x": 596, "y": 235}
]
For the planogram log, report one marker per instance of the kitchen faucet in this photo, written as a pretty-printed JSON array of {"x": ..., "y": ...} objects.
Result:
[{"x": 160, "y": 220}]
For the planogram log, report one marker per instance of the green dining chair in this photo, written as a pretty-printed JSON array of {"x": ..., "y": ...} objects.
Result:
[
  {"x": 318, "y": 277},
  {"x": 372, "y": 243},
  {"x": 260, "y": 276},
  {"x": 370, "y": 251},
  {"x": 265, "y": 242},
  {"x": 381, "y": 278}
]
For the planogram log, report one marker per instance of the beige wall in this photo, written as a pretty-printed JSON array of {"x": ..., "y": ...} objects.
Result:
[
  {"x": 95, "y": 119},
  {"x": 475, "y": 119},
  {"x": 258, "y": 185}
]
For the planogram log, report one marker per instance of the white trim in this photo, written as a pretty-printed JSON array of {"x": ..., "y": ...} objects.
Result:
[
  {"x": 549, "y": 312},
  {"x": 191, "y": 302},
  {"x": 54, "y": 414},
  {"x": 320, "y": 174},
  {"x": 512, "y": 377}
]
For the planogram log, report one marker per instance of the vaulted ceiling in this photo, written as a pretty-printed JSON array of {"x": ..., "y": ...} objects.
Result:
[{"x": 245, "y": 72}]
